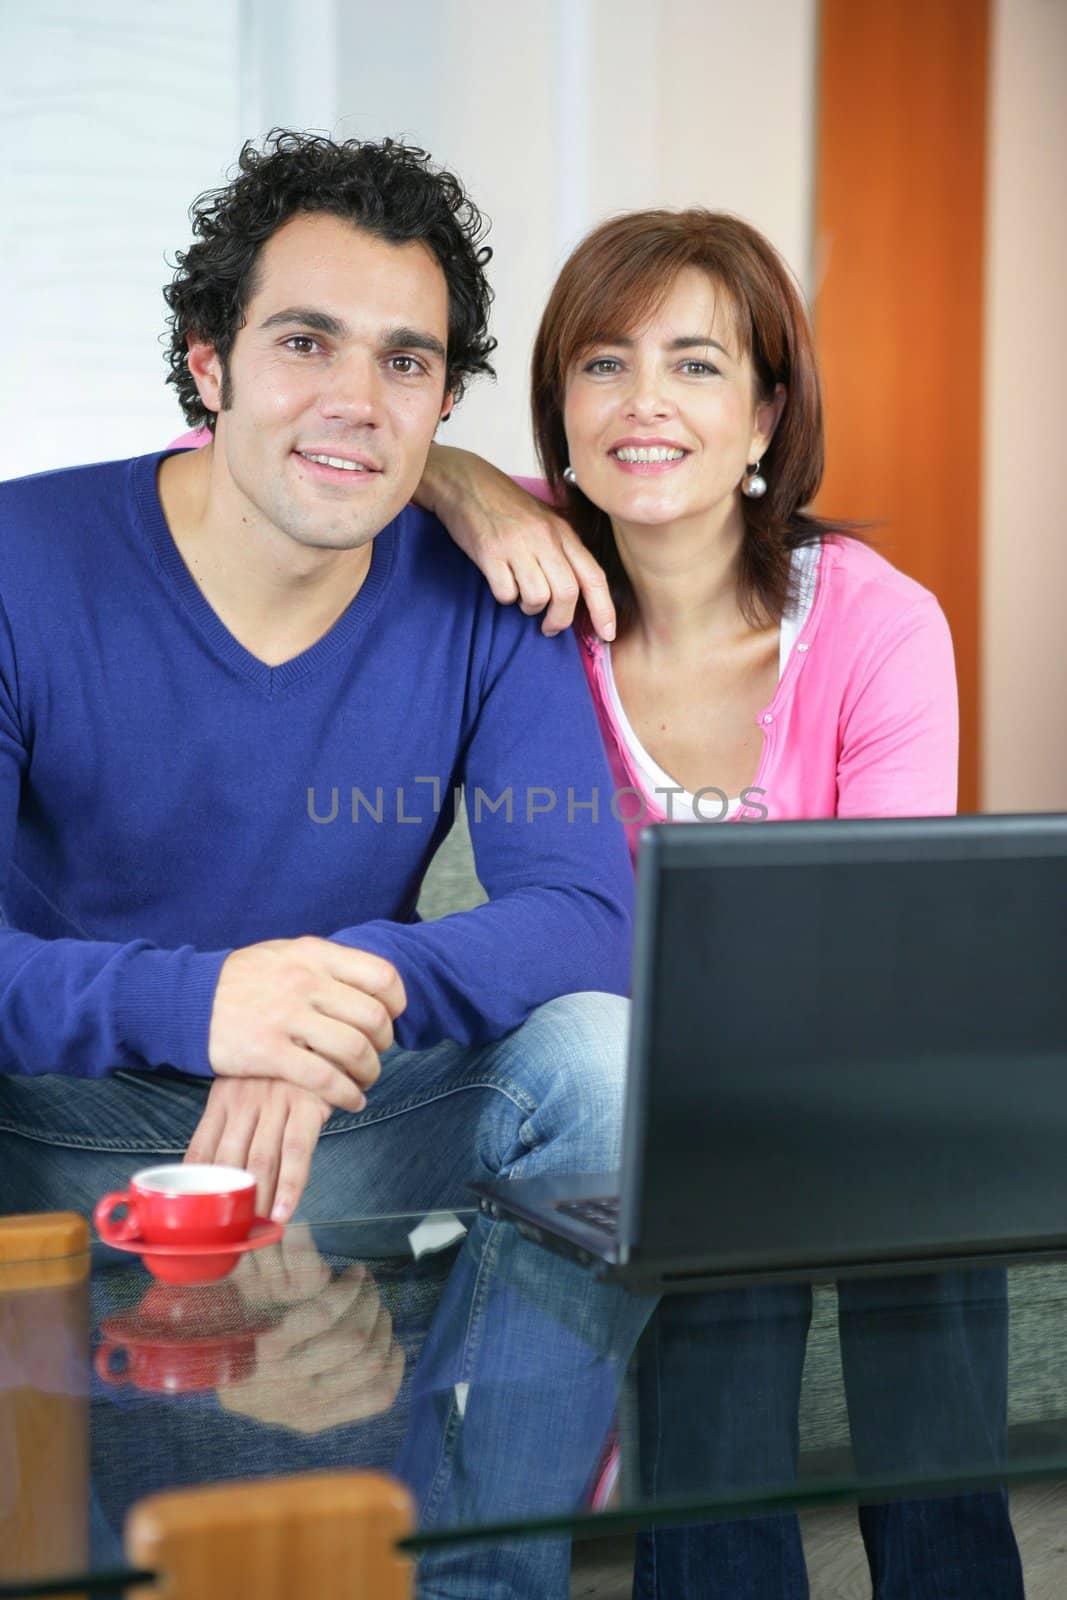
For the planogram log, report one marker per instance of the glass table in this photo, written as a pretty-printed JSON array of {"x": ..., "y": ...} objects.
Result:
[{"x": 339, "y": 1347}]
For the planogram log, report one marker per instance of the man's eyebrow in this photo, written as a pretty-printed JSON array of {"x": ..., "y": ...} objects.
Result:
[
  {"x": 335, "y": 328},
  {"x": 306, "y": 317},
  {"x": 414, "y": 339}
]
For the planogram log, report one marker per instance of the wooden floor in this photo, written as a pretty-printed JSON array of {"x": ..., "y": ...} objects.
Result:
[{"x": 837, "y": 1567}]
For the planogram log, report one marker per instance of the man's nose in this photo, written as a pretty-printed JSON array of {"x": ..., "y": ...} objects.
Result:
[{"x": 353, "y": 391}]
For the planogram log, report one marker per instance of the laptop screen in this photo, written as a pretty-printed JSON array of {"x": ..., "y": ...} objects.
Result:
[{"x": 849, "y": 1041}]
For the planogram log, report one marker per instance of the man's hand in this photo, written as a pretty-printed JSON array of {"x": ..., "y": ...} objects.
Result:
[
  {"x": 309, "y": 1011},
  {"x": 270, "y": 1128},
  {"x": 524, "y": 550},
  {"x": 331, "y": 1360},
  {"x": 282, "y": 1274}
]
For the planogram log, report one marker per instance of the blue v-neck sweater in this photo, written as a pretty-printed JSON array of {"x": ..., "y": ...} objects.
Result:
[{"x": 166, "y": 798}]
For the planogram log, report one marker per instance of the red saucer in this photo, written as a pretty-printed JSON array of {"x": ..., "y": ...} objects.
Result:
[{"x": 199, "y": 1263}]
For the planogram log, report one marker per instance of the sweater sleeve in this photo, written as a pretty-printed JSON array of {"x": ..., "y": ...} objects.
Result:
[
  {"x": 87, "y": 1007},
  {"x": 550, "y": 854},
  {"x": 899, "y": 744}
]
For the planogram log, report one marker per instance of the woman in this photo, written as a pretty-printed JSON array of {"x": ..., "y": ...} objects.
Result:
[{"x": 764, "y": 666}]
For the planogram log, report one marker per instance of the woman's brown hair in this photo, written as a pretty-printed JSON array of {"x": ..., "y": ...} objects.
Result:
[{"x": 613, "y": 282}]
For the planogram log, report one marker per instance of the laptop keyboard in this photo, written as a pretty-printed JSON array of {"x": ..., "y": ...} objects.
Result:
[{"x": 601, "y": 1212}]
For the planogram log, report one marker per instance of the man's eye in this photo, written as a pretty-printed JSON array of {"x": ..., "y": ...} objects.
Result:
[
  {"x": 406, "y": 366},
  {"x": 302, "y": 344}
]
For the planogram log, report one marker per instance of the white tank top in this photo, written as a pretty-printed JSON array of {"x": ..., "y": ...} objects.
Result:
[{"x": 659, "y": 785}]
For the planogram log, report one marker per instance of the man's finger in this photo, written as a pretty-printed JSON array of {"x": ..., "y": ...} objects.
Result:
[
  {"x": 501, "y": 580},
  {"x": 239, "y": 1129},
  {"x": 310, "y": 1320},
  {"x": 371, "y": 973},
  {"x": 345, "y": 1047},
  {"x": 365, "y": 1013},
  {"x": 255, "y": 1273},
  {"x": 303, "y": 1271},
  {"x": 302, "y": 1067},
  {"x": 535, "y": 591},
  {"x": 264, "y": 1153},
  {"x": 298, "y": 1139},
  {"x": 565, "y": 593},
  {"x": 207, "y": 1133},
  {"x": 343, "y": 1362},
  {"x": 593, "y": 584}
]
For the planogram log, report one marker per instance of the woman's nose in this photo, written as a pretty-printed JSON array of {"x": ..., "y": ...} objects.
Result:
[{"x": 648, "y": 397}]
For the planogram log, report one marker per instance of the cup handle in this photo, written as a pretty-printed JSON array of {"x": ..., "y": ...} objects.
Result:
[
  {"x": 113, "y": 1232},
  {"x": 102, "y": 1363}
]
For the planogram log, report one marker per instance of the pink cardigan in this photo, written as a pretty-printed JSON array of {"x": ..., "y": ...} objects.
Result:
[{"x": 864, "y": 721}]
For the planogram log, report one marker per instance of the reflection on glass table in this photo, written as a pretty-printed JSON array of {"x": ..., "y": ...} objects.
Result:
[{"x": 336, "y": 1347}]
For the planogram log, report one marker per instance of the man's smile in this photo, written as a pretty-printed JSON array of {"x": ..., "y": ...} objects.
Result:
[{"x": 337, "y": 468}]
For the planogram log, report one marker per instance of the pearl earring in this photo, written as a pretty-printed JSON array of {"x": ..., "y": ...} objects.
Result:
[
  {"x": 753, "y": 484},
  {"x": 568, "y": 475}
]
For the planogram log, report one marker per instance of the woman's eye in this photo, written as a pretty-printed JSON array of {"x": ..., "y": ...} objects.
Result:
[
  {"x": 699, "y": 368},
  {"x": 603, "y": 366}
]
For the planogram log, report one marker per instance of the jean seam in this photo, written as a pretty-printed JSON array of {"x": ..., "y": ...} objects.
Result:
[
  {"x": 363, "y": 1119},
  {"x": 651, "y": 1542},
  {"x": 77, "y": 1142},
  {"x": 475, "y": 1319}
]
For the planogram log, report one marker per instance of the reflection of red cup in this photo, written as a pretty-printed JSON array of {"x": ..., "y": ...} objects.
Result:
[
  {"x": 181, "y": 1205},
  {"x": 175, "y": 1366},
  {"x": 181, "y": 1340}
]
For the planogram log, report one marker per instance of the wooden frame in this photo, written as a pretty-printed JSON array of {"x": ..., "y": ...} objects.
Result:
[
  {"x": 44, "y": 1408},
  {"x": 330, "y": 1535}
]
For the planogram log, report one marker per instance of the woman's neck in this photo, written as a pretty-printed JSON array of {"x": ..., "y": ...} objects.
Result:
[{"x": 684, "y": 578}]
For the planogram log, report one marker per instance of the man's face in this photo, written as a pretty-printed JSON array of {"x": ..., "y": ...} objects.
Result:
[{"x": 336, "y": 383}]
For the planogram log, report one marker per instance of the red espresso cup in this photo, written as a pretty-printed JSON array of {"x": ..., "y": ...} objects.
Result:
[{"x": 180, "y": 1205}]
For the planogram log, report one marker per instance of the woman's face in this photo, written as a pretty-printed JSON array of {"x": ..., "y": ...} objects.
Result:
[{"x": 661, "y": 424}]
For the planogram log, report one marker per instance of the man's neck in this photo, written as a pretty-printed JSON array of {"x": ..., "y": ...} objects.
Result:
[{"x": 275, "y": 597}]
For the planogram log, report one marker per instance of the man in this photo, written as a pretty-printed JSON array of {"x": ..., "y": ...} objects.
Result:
[
  {"x": 261, "y": 656},
  {"x": 237, "y": 689}
]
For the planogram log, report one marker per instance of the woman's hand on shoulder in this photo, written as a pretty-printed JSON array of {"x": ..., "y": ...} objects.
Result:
[{"x": 524, "y": 549}]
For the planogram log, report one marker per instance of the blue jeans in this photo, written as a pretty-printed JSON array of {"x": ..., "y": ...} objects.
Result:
[
  {"x": 925, "y": 1367},
  {"x": 515, "y": 1388}
]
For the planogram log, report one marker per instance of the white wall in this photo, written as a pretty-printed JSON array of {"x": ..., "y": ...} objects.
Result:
[
  {"x": 115, "y": 115},
  {"x": 556, "y": 115},
  {"x": 1024, "y": 648},
  {"x": 112, "y": 117}
]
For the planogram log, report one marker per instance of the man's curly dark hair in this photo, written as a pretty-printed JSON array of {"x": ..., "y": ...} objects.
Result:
[{"x": 389, "y": 188}]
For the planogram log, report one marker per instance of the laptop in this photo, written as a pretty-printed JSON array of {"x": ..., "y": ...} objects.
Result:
[{"x": 847, "y": 1055}]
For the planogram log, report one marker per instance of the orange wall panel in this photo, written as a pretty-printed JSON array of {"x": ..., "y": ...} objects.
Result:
[{"x": 900, "y": 220}]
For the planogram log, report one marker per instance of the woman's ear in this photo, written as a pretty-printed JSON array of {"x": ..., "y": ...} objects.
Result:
[{"x": 768, "y": 416}]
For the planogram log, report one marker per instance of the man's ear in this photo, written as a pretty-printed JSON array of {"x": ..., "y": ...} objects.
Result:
[
  {"x": 206, "y": 368},
  {"x": 449, "y": 402}
]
